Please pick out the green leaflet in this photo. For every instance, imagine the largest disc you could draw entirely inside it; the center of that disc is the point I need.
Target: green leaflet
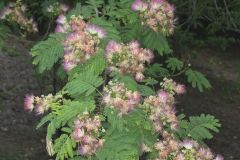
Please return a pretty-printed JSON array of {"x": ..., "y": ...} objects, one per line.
[
  {"x": 198, "y": 127},
  {"x": 145, "y": 90},
  {"x": 157, "y": 70},
  {"x": 125, "y": 144},
  {"x": 128, "y": 81},
  {"x": 63, "y": 147},
  {"x": 46, "y": 53},
  {"x": 155, "y": 41},
  {"x": 96, "y": 64},
  {"x": 174, "y": 64},
  {"x": 198, "y": 80},
  {"x": 85, "y": 83}
]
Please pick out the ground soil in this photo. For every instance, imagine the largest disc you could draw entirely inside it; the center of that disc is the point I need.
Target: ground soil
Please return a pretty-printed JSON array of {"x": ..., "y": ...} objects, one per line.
[{"x": 20, "y": 141}]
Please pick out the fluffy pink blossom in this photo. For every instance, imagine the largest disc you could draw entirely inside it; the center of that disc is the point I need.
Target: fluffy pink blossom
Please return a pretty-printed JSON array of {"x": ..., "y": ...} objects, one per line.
[
  {"x": 6, "y": 11},
  {"x": 86, "y": 133},
  {"x": 61, "y": 19},
  {"x": 188, "y": 144},
  {"x": 81, "y": 43},
  {"x": 219, "y": 157},
  {"x": 128, "y": 58},
  {"x": 180, "y": 89},
  {"x": 112, "y": 47},
  {"x": 96, "y": 30},
  {"x": 139, "y": 5},
  {"x": 163, "y": 96},
  {"x": 139, "y": 77},
  {"x": 116, "y": 95},
  {"x": 59, "y": 29},
  {"x": 156, "y": 14},
  {"x": 29, "y": 102}
]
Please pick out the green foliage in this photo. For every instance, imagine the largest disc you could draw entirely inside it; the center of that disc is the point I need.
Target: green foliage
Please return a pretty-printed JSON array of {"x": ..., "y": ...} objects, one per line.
[
  {"x": 197, "y": 79},
  {"x": 84, "y": 83},
  {"x": 63, "y": 147},
  {"x": 199, "y": 128},
  {"x": 174, "y": 64},
  {"x": 65, "y": 114},
  {"x": 146, "y": 90},
  {"x": 95, "y": 65},
  {"x": 46, "y": 53},
  {"x": 124, "y": 134},
  {"x": 125, "y": 144},
  {"x": 61, "y": 116},
  {"x": 157, "y": 70},
  {"x": 155, "y": 41}
]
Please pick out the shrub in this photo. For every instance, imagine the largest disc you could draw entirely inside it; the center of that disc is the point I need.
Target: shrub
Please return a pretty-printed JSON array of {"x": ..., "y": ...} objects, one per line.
[{"x": 109, "y": 108}]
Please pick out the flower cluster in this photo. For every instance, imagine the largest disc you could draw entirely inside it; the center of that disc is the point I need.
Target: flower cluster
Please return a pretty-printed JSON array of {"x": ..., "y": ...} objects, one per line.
[
  {"x": 81, "y": 43},
  {"x": 39, "y": 104},
  {"x": 56, "y": 8},
  {"x": 62, "y": 25},
  {"x": 172, "y": 87},
  {"x": 157, "y": 14},
  {"x": 185, "y": 150},
  {"x": 160, "y": 107},
  {"x": 86, "y": 133},
  {"x": 129, "y": 58},
  {"x": 15, "y": 13},
  {"x": 116, "y": 95}
]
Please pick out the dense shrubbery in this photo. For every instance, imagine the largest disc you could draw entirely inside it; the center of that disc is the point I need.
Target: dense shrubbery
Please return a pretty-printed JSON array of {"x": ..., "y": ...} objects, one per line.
[{"x": 118, "y": 101}]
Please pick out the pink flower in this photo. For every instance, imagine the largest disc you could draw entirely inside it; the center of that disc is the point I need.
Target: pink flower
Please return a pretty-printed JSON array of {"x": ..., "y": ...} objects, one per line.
[
  {"x": 112, "y": 47},
  {"x": 136, "y": 96},
  {"x": 39, "y": 109},
  {"x": 180, "y": 156},
  {"x": 156, "y": 3},
  {"x": 106, "y": 99},
  {"x": 59, "y": 29},
  {"x": 134, "y": 45},
  {"x": 29, "y": 102},
  {"x": 188, "y": 144},
  {"x": 139, "y": 5},
  {"x": 139, "y": 77},
  {"x": 78, "y": 134},
  {"x": 96, "y": 30},
  {"x": 84, "y": 150},
  {"x": 170, "y": 8},
  {"x": 61, "y": 19},
  {"x": 180, "y": 89},
  {"x": 149, "y": 56},
  {"x": 6, "y": 11},
  {"x": 219, "y": 157},
  {"x": 163, "y": 96},
  {"x": 67, "y": 66}
]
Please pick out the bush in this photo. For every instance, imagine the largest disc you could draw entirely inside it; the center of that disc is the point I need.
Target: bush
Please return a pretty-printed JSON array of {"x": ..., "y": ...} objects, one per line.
[{"x": 109, "y": 108}]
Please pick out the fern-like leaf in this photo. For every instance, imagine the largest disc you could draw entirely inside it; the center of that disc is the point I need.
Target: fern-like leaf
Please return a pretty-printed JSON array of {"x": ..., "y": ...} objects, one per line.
[
  {"x": 199, "y": 127},
  {"x": 174, "y": 64},
  {"x": 156, "y": 71},
  {"x": 96, "y": 64},
  {"x": 84, "y": 83},
  {"x": 63, "y": 147},
  {"x": 198, "y": 80},
  {"x": 155, "y": 41},
  {"x": 46, "y": 53}
]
